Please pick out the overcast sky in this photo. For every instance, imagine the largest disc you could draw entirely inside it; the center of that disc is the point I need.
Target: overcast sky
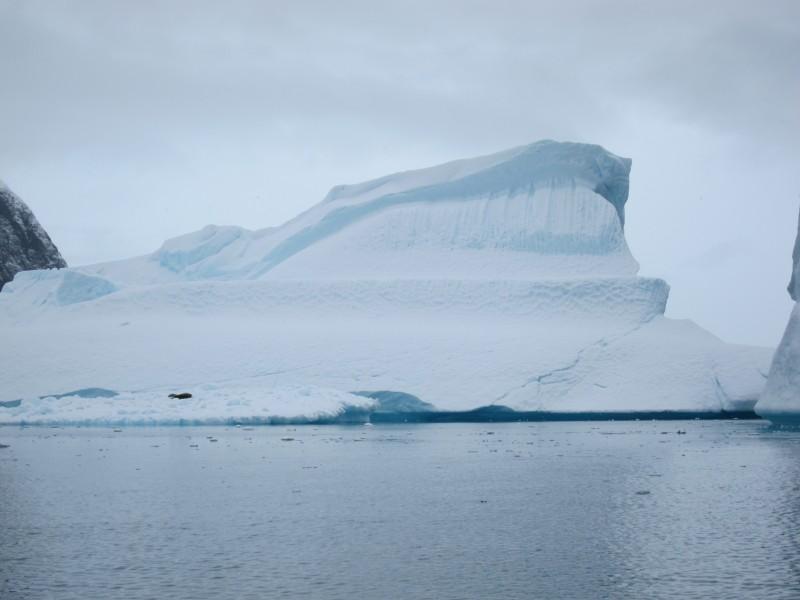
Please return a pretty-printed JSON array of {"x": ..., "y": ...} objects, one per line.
[{"x": 125, "y": 123}]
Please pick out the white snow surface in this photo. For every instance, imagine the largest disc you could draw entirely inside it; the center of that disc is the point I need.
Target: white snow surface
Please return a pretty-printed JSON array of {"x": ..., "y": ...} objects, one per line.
[{"x": 504, "y": 280}]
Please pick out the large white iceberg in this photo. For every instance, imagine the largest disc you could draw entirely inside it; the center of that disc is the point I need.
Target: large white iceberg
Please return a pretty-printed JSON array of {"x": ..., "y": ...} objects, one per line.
[
  {"x": 502, "y": 280},
  {"x": 780, "y": 401}
]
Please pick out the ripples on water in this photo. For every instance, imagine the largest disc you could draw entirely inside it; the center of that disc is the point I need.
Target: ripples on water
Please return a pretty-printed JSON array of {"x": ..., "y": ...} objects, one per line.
[{"x": 515, "y": 510}]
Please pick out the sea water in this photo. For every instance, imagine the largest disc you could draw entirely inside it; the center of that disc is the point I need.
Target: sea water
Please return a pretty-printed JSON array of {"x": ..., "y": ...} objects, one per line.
[{"x": 637, "y": 509}]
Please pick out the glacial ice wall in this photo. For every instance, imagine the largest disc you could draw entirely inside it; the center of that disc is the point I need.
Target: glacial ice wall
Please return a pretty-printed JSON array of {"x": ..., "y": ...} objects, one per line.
[
  {"x": 780, "y": 400},
  {"x": 794, "y": 282}
]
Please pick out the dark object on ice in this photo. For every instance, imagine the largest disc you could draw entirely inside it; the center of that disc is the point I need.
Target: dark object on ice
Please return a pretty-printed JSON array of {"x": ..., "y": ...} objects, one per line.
[
  {"x": 4, "y": 446},
  {"x": 181, "y": 396},
  {"x": 643, "y": 493},
  {"x": 24, "y": 244},
  {"x": 681, "y": 432}
]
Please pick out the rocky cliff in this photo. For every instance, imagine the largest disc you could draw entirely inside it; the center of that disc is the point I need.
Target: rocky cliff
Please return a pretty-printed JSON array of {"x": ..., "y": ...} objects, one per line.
[{"x": 24, "y": 244}]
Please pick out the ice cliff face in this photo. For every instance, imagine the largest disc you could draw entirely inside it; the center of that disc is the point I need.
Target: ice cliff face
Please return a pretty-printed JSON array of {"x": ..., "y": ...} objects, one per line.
[
  {"x": 780, "y": 401},
  {"x": 499, "y": 280},
  {"x": 794, "y": 282},
  {"x": 24, "y": 244},
  {"x": 468, "y": 219}
]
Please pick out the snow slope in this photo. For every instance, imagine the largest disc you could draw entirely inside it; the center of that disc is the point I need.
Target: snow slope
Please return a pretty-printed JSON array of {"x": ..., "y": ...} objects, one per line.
[
  {"x": 780, "y": 402},
  {"x": 502, "y": 280}
]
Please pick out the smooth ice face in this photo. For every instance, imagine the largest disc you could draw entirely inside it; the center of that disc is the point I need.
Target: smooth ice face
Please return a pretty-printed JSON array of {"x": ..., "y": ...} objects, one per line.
[
  {"x": 780, "y": 401},
  {"x": 557, "y": 231},
  {"x": 794, "y": 283},
  {"x": 781, "y": 397}
]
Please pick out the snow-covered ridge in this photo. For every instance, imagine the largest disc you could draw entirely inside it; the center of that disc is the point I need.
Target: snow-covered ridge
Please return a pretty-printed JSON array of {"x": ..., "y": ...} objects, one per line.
[{"x": 503, "y": 280}]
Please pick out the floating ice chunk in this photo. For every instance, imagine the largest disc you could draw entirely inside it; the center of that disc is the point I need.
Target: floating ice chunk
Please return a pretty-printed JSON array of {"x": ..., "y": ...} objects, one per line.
[{"x": 248, "y": 401}]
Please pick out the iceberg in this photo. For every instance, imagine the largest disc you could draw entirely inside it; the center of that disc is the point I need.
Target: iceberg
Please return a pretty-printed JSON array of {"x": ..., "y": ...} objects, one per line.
[
  {"x": 500, "y": 281},
  {"x": 780, "y": 401}
]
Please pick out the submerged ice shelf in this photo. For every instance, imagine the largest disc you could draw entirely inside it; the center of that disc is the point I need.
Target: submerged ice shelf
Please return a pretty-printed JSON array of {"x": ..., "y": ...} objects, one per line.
[{"x": 501, "y": 281}]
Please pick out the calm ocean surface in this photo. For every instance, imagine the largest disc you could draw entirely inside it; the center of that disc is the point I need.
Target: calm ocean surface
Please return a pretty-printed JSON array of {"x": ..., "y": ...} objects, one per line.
[{"x": 513, "y": 510}]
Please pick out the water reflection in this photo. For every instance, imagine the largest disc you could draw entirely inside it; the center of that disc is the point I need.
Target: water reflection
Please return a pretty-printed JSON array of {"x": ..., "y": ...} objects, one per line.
[{"x": 515, "y": 510}]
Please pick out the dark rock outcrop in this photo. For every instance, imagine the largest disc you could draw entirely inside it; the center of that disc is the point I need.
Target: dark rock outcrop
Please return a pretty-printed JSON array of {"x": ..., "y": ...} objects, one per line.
[{"x": 24, "y": 244}]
